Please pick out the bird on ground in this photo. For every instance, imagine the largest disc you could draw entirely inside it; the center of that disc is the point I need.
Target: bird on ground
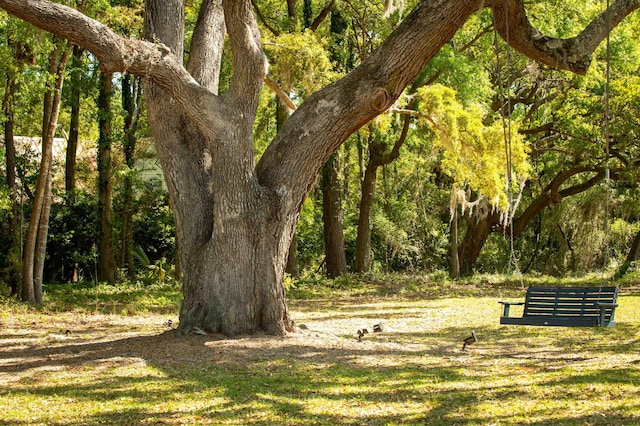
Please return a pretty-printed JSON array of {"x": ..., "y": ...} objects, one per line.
[
  {"x": 378, "y": 328},
  {"x": 469, "y": 340},
  {"x": 362, "y": 333}
]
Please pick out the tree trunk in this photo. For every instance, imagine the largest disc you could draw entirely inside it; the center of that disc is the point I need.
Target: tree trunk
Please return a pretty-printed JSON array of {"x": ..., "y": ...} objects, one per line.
[
  {"x": 378, "y": 157},
  {"x": 293, "y": 265},
  {"x": 335, "y": 255},
  {"x": 477, "y": 233},
  {"x": 130, "y": 99},
  {"x": 74, "y": 125},
  {"x": 230, "y": 230},
  {"x": 634, "y": 250},
  {"x": 228, "y": 293},
  {"x": 455, "y": 259},
  {"x": 10, "y": 151},
  {"x": 41, "y": 243},
  {"x": 35, "y": 241},
  {"x": 474, "y": 239},
  {"x": 10, "y": 156},
  {"x": 106, "y": 255},
  {"x": 363, "y": 240}
]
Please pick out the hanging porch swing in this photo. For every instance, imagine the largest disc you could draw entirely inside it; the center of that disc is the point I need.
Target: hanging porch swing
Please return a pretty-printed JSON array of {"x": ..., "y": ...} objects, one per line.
[{"x": 592, "y": 306}]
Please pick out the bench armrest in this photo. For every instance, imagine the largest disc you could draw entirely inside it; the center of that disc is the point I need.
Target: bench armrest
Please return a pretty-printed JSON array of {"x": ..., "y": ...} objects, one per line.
[
  {"x": 603, "y": 313},
  {"x": 507, "y": 305}
]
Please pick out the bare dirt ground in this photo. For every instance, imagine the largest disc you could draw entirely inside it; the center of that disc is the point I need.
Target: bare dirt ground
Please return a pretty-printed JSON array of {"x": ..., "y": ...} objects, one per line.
[{"x": 328, "y": 333}]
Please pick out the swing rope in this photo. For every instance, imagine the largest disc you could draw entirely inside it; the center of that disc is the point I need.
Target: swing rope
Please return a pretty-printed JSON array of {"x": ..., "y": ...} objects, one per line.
[
  {"x": 607, "y": 136},
  {"x": 506, "y": 129}
]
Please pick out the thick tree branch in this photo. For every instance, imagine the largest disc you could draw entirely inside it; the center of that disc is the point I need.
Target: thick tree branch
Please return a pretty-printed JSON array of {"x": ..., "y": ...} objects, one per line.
[
  {"x": 545, "y": 128},
  {"x": 324, "y": 121},
  {"x": 249, "y": 61},
  {"x": 552, "y": 195},
  {"x": 153, "y": 61},
  {"x": 572, "y": 54},
  {"x": 205, "y": 52}
]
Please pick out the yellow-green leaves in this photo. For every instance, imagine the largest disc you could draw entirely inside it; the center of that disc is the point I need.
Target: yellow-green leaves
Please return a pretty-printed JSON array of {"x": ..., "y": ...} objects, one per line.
[
  {"x": 299, "y": 62},
  {"x": 475, "y": 154}
]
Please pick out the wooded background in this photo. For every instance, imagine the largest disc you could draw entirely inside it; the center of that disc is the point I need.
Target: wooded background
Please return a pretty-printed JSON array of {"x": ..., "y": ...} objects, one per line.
[{"x": 489, "y": 162}]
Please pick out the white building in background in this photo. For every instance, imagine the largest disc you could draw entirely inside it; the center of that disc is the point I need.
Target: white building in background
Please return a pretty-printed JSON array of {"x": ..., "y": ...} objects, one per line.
[{"x": 147, "y": 165}]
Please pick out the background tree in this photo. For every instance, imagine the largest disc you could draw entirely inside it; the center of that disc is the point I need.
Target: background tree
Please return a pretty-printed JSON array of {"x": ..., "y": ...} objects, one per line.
[
  {"x": 74, "y": 126},
  {"x": 131, "y": 103},
  {"x": 36, "y": 238},
  {"x": 106, "y": 254}
]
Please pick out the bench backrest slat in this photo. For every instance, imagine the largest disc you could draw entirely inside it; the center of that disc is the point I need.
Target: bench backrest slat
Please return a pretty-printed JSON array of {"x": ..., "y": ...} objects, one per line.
[{"x": 568, "y": 301}]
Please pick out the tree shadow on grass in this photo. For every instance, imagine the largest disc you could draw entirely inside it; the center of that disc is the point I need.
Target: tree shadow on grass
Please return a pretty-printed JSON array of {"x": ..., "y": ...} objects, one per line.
[{"x": 419, "y": 377}]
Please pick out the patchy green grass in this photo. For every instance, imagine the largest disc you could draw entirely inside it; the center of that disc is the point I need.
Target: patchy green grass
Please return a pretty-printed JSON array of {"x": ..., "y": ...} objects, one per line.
[
  {"x": 113, "y": 360},
  {"x": 123, "y": 299}
]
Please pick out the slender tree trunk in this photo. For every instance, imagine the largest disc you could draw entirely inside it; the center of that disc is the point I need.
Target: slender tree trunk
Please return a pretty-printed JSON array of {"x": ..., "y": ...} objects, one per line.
[
  {"x": 10, "y": 151},
  {"x": 130, "y": 99},
  {"x": 72, "y": 143},
  {"x": 336, "y": 259},
  {"x": 378, "y": 157},
  {"x": 455, "y": 260},
  {"x": 10, "y": 156},
  {"x": 41, "y": 243},
  {"x": 106, "y": 255},
  {"x": 74, "y": 131},
  {"x": 634, "y": 250},
  {"x": 363, "y": 240},
  {"x": 35, "y": 241},
  {"x": 293, "y": 264}
]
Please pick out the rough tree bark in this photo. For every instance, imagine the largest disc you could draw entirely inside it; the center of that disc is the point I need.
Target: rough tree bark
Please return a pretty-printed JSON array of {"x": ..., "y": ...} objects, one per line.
[{"x": 234, "y": 218}]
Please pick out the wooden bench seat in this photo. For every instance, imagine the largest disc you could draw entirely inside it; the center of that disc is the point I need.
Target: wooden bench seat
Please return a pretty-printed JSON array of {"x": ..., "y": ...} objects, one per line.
[{"x": 565, "y": 306}]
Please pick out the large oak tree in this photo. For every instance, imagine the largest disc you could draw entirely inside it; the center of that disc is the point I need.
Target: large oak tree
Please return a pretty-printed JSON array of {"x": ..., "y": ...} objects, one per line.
[{"x": 235, "y": 218}]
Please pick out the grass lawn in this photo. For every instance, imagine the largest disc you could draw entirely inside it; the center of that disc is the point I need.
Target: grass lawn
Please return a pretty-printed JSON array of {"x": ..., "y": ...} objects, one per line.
[{"x": 105, "y": 355}]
